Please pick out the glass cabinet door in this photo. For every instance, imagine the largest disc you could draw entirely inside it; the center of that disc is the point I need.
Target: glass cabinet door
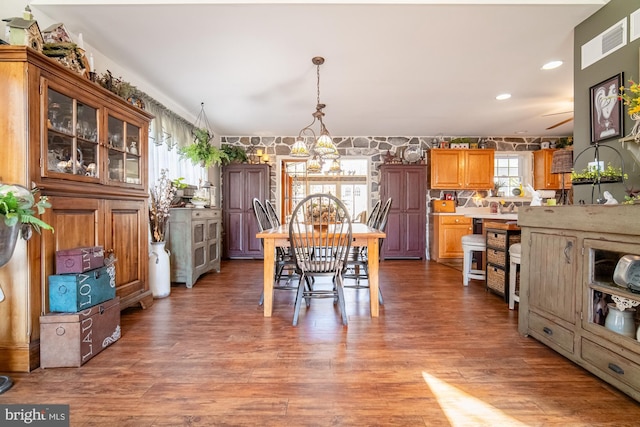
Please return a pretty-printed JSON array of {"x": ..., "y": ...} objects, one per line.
[
  {"x": 124, "y": 151},
  {"x": 71, "y": 136}
]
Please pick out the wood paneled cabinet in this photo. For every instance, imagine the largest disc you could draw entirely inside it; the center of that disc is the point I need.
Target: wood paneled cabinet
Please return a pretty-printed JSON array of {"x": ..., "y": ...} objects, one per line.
[
  {"x": 464, "y": 169},
  {"x": 569, "y": 255},
  {"x": 543, "y": 179},
  {"x": 241, "y": 183},
  {"x": 81, "y": 145},
  {"x": 406, "y": 225},
  {"x": 194, "y": 242},
  {"x": 447, "y": 236}
]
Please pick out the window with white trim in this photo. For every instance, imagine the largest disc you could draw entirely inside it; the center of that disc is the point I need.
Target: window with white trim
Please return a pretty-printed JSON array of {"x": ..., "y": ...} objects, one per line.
[{"x": 511, "y": 169}]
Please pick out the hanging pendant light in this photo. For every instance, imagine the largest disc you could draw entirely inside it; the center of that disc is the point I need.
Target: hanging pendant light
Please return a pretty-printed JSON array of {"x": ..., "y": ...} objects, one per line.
[
  {"x": 335, "y": 166},
  {"x": 323, "y": 145},
  {"x": 314, "y": 165}
]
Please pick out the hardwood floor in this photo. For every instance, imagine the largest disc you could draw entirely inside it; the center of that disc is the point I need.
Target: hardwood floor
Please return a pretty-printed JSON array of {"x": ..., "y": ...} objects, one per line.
[{"x": 438, "y": 355}]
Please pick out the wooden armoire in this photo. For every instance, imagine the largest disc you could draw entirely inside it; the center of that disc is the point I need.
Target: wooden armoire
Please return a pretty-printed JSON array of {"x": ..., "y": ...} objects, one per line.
[
  {"x": 406, "y": 227},
  {"x": 241, "y": 183},
  {"x": 86, "y": 149}
]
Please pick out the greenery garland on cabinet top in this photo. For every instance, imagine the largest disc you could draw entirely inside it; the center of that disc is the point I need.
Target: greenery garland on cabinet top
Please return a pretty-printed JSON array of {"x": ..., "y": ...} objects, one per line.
[{"x": 235, "y": 154}]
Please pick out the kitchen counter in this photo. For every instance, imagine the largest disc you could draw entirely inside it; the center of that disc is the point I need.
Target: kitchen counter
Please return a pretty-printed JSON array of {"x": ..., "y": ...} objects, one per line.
[{"x": 481, "y": 213}]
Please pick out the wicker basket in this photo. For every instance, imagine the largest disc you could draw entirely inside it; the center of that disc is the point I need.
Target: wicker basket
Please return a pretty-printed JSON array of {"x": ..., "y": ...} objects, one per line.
[
  {"x": 496, "y": 240},
  {"x": 496, "y": 257},
  {"x": 496, "y": 279}
]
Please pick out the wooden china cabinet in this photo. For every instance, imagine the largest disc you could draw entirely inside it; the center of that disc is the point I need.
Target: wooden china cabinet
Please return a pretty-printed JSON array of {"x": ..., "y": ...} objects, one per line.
[{"x": 85, "y": 148}]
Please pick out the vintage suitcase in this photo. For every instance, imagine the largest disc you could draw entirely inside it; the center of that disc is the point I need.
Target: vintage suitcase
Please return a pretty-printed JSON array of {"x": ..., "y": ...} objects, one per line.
[
  {"x": 79, "y": 260},
  {"x": 71, "y": 339},
  {"x": 70, "y": 293}
]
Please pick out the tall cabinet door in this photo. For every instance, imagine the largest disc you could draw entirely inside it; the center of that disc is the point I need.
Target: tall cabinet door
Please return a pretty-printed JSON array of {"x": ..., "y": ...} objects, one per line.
[
  {"x": 127, "y": 235},
  {"x": 406, "y": 226},
  {"x": 241, "y": 184}
]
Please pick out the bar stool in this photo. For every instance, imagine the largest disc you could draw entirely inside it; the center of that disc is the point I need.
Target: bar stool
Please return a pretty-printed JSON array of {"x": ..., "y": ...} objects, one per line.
[
  {"x": 514, "y": 261},
  {"x": 472, "y": 243}
]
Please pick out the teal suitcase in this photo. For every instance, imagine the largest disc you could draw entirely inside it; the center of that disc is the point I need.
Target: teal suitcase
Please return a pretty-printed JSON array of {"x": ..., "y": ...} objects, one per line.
[{"x": 70, "y": 293}]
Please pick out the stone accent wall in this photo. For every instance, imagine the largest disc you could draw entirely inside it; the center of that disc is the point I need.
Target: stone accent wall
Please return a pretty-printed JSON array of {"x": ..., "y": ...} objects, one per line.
[{"x": 376, "y": 147}]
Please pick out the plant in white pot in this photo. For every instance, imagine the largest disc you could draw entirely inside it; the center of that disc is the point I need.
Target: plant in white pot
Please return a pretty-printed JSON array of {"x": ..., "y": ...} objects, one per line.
[{"x": 18, "y": 208}]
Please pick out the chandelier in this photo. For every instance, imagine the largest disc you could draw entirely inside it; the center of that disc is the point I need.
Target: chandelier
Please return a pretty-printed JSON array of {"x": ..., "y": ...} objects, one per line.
[{"x": 323, "y": 145}]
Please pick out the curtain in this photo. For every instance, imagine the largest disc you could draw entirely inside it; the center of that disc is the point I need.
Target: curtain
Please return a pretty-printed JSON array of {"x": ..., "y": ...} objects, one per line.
[{"x": 168, "y": 132}]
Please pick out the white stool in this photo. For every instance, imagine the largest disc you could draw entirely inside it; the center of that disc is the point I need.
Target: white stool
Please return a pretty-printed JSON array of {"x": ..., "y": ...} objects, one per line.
[
  {"x": 514, "y": 261},
  {"x": 472, "y": 243}
]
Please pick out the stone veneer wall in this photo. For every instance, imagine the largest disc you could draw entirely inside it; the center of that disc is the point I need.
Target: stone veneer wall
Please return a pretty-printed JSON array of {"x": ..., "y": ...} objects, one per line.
[{"x": 376, "y": 147}]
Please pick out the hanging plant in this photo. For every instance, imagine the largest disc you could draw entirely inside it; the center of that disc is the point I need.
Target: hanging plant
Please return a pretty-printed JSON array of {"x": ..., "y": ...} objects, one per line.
[{"x": 201, "y": 152}]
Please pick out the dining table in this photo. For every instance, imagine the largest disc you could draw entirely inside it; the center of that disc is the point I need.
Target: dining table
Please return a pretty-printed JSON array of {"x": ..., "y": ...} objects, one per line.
[{"x": 362, "y": 235}]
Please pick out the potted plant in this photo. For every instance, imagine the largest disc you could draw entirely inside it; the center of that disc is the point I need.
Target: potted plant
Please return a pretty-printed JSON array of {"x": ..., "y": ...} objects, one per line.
[
  {"x": 235, "y": 154},
  {"x": 201, "y": 152},
  {"x": 17, "y": 209},
  {"x": 593, "y": 175}
]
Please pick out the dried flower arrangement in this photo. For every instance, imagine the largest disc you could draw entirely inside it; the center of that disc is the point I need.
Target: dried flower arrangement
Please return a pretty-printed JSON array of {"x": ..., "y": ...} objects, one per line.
[{"x": 161, "y": 196}]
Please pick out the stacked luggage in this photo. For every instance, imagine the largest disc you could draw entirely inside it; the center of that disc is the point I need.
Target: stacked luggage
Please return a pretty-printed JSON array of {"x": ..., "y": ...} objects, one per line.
[{"x": 84, "y": 315}]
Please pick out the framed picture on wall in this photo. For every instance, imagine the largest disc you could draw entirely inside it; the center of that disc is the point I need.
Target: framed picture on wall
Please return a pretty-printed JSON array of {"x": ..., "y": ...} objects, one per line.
[{"x": 606, "y": 109}]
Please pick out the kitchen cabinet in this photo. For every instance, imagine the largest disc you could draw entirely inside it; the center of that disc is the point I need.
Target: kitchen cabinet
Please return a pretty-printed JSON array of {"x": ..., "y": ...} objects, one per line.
[
  {"x": 406, "y": 225},
  {"x": 543, "y": 179},
  {"x": 499, "y": 238},
  {"x": 241, "y": 183},
  {"x": 194, "y": 243},
  {"x": 569, "y": 254},
  {"x": 80, "y": 144},
  {"x": 460, "y": 169},
  {"x": 447, "y": 236}
]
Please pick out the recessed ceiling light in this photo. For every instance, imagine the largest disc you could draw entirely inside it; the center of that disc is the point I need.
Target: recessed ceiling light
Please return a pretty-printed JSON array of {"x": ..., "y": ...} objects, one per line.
[
  {"x": 551, "y": 65},
  {"x": 503, "y": 96},
  {"x": 520, "y": 132}
]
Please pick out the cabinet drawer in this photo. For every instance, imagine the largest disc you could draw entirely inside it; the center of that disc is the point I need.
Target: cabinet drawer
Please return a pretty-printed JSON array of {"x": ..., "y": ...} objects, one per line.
[
  {"x": 546, "y": 330},
  {"x": 497, "y": 257},
  {"x": 454, "y": 219},
  {"x": 611, "y": 363},
  {"x": 496, "y": 279},
  {"x": 204, "y": 214}
]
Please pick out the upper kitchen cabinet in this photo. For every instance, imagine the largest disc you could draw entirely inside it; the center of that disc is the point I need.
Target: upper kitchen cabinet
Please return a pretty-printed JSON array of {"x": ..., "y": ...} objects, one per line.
[
  {"x": 460, "y": 169},
  {"x": 84, "y": 148},
  {"x": 543, "y": 179}
]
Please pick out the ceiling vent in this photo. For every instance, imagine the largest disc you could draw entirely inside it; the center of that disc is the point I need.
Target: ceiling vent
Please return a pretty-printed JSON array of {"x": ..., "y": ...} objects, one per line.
[
  {"x": 605, "y": 43},
  {"x": 634, "y": 25}
]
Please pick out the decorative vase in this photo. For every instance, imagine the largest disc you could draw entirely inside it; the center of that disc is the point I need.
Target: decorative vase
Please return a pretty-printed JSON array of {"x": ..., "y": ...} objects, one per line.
[
  {"x": 8, "y": 239},
  {"x": 159, "y": 270},
  {"x": 635, "y": 131},
  {"x": 621, "y": 321}
]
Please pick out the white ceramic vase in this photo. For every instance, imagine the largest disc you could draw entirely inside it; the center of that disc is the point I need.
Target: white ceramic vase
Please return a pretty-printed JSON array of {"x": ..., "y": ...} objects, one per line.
[
  {"x": 159, "y": 270},
  {"x": 621, "y": 322}
]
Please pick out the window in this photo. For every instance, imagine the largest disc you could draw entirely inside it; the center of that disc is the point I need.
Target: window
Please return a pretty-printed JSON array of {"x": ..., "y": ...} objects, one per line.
[
  {"x": 350, "y": 186},
  {"x": 512, "y": 169}
]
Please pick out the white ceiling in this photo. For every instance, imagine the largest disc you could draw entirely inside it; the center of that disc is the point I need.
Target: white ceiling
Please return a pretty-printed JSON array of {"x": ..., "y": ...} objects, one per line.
[{"x": 415, "y": 68}]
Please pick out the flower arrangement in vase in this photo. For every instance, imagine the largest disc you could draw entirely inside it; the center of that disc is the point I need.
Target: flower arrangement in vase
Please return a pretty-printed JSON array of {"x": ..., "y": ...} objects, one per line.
[
  {"x": 631, "y": 98},
  {"x": 161, "y": 196}
]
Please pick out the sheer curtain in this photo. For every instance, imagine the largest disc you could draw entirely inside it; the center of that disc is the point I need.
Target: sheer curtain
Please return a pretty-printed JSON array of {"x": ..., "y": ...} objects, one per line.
[{"x": 168, "y": 132}]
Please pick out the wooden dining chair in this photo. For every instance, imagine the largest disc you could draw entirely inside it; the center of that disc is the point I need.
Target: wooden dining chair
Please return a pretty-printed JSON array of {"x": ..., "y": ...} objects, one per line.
[
  {"x": 358, "y": 261},
  {"x": 271, "y": 211},
  {"x": 320, "y": 234},
  {"x": 283, "y": 260}
]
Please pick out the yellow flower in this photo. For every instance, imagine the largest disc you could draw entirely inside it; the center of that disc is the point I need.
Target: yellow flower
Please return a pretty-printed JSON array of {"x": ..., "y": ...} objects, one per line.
[{"x": 631, "y": 97}]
